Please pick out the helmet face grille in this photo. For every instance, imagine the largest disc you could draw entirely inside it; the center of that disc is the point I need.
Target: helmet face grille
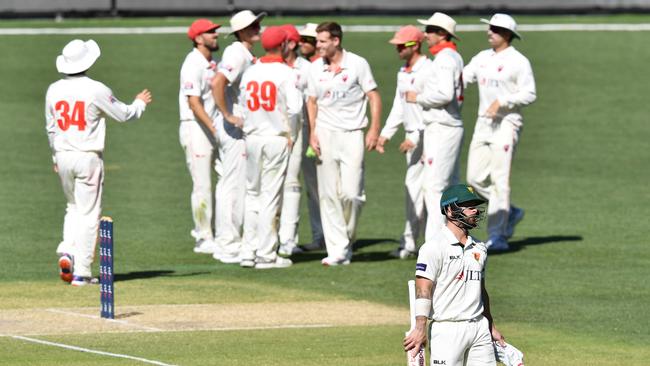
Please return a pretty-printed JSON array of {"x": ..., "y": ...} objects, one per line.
[{"x": 464, "y": 221}]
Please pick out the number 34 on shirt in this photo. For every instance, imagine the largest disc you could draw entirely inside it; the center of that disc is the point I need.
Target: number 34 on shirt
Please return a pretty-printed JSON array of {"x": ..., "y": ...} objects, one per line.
[{"x": 74, "y": 115}]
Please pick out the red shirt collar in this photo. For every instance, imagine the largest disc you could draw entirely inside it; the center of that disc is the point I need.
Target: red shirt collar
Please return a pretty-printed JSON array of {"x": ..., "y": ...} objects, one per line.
[
  {"x": 270, "y": 58},
  {"x": 441, "y": 46}
]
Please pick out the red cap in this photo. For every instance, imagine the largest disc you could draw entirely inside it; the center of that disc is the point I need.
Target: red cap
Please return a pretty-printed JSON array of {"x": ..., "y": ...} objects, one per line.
[
  {"x": 273, "y": 37},
  {"x": 201, "y": 26},
  {"x": 292, "y": 32},
  {"x": 407, "y": 34}
]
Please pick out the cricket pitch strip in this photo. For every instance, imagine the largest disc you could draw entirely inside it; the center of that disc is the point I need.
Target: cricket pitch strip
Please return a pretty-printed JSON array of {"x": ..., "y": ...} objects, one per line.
[{"x": 199, "y": 317}]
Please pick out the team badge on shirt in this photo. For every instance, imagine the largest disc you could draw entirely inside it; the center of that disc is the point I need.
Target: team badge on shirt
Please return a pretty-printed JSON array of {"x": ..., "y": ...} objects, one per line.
[
  {"x": 188, "y": 85},
  {"x": 345, "y": 78},
  {"x": 477, "y": 256},
  {"x": 499, "y": 68}
]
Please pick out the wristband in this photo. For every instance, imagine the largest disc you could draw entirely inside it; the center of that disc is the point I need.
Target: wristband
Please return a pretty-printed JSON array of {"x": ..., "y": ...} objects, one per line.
[{"x": 423, "y": 307}]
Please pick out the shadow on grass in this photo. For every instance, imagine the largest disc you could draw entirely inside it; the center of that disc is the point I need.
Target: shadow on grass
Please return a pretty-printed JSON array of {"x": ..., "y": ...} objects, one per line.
[
  {"x": 152, "y": 274},
  {"x": 517, "y": 245},
  {"x": 356, "y": 257}
]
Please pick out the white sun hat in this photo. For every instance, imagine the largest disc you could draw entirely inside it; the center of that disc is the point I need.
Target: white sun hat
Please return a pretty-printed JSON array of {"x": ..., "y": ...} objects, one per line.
[
  {"x": 77, "y": 56},
  {"x": 243, "y": 19},
  {"x": 443, "y": 21},
  {"x": 503, "y": 21},
  {"x": 309, "y": 30}
]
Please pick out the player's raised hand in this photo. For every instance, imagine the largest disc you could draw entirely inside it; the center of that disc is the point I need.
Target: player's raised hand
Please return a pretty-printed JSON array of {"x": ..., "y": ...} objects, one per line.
[
  {"x": 144, "y": 96},
  {"x": 380, "y": 144}
]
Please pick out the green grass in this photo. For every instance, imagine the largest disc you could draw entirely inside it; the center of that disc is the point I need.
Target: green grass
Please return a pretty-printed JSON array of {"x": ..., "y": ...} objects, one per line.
[{"x": 573, "y": 293}]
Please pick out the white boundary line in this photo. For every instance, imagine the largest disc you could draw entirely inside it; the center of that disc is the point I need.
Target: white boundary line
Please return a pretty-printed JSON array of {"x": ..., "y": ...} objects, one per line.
[
  {"x": 640, "y": 27},
  {"x": 87, "y": 350}
]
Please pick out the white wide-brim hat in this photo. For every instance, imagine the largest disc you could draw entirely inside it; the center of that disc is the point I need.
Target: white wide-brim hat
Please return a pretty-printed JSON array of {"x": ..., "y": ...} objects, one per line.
[
  {"x": 443, "y": 21},
  {"x": 243, "y": 19},
  {"x": 77, "y": 56},
  {"x": 309, "y": 30},
  {"x": 503, "y": 21}
]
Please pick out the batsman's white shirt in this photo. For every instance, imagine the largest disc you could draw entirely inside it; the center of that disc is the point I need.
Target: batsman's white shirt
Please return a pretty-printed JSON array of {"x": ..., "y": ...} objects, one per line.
[
  {"x": 409, "y": 114},
  {"x": 457, "y": 272},
  {"x": 506, "y": 76},
  {"x": 341, "y": 94},
  {"x": 74, "y": 111},
  {"x": 442, "y": 96},
  {"x": 196, "y": 76},
  {"x": 270, "y": 98}
]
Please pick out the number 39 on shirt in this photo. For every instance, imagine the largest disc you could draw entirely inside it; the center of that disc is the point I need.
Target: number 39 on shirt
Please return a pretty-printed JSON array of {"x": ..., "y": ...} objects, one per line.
[
  {"x": 71, "y": 117},
  {"x": 261, "y": 95}
]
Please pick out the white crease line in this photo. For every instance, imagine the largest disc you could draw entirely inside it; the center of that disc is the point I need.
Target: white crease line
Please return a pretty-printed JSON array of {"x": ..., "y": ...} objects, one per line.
[
  {"x": 87, "y": 350},
  {"x": 218, "y": 329},
  {"x": 123, "y": 322},
  {"x": 348, "y": 28}
]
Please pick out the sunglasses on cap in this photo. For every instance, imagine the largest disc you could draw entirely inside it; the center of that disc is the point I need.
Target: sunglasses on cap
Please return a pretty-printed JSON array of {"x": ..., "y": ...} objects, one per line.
[
  {"x": 307, "y": 39},
  {"x": 407, "y": 44},
  {"x": 499, "y": 30},
  {"x": 432, "y": 29}
]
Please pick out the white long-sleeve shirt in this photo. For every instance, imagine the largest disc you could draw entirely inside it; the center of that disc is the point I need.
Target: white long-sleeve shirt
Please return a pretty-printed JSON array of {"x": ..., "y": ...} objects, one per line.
[
  {"x": 74, "y": 113},
  {"x": 506, "y": 76},
  {"x": 408, "y": 114},
  {"x": 442, "y": 96},
  {"x": 270, "y": 99}
]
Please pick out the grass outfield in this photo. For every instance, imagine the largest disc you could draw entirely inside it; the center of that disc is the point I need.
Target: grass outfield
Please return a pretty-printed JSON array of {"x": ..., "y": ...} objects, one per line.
[{"x": 572, "y": 293}]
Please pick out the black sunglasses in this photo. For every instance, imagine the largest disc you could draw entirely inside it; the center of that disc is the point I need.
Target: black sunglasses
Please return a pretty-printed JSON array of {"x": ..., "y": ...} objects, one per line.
[
  {"x": 432, "y": 29},
  {"x": 499, "y": 30}
]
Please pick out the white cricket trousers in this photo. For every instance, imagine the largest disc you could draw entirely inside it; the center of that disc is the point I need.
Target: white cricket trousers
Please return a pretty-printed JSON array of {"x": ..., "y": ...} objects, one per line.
[
  {"x": 231, "y": 187},
  {"x": 82, "y": 178},
  {"x": 442, "y": 146},
  {"x": 464, "y": 343},
  {"x": 340, "y": 188},
  {"x": 199, "y": 157},
  {"x": 414, "y": 205},
  {"x": 488, "y": 168},
  {"x": 265, "y": 171},
  {"x": 290, "y": 213}
]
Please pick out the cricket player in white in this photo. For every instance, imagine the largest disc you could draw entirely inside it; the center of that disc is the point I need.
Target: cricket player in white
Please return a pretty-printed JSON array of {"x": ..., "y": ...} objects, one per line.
[
  {"x": 308, "y": 51},
  {"x": 408, "y": 41},
  {"x": 441, "y": 100},
  {"x": 450, "y": 288},
  {"x": 290, "y": 213},
  {"x": 75, "y": 107},
  {"x": 505, "y": 85},
  {"x": 271, "y": 102},
  {"x": 231, "y": 165},
  {"x": 198, "y": 114},
  {"x": 339, "y": 86}
]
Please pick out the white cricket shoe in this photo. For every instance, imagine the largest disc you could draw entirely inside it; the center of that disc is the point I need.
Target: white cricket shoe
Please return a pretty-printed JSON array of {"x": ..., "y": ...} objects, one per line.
[
  {"x": 514, "y": 217},
  {"x": 497, "y": 244},
  {"x": 289, "y": 248},
  {"x": 329, "y": 261},
  {"x": 205, "y": 246},
  {"x": 403, "y": 253},
  {"x": 279, "y": 262},
  {"x": 78, "y": 281}
]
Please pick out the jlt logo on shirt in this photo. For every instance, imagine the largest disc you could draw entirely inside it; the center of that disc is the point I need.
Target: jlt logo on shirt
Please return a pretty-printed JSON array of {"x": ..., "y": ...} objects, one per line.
[
  {"x": 469, "y": 275},
  {"x": 336, "y": 94}
]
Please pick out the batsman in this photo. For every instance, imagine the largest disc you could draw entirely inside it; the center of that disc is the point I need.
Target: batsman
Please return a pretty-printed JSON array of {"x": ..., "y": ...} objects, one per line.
[{"x": 450, "y": 288}]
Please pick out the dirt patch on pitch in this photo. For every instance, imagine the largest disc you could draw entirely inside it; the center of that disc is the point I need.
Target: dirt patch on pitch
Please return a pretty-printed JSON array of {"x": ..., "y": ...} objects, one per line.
[{"x": 215, "y": 317}]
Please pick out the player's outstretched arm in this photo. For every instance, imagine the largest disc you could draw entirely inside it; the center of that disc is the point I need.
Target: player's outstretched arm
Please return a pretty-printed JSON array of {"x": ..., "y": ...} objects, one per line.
[{"x": 145, "y": 96}]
